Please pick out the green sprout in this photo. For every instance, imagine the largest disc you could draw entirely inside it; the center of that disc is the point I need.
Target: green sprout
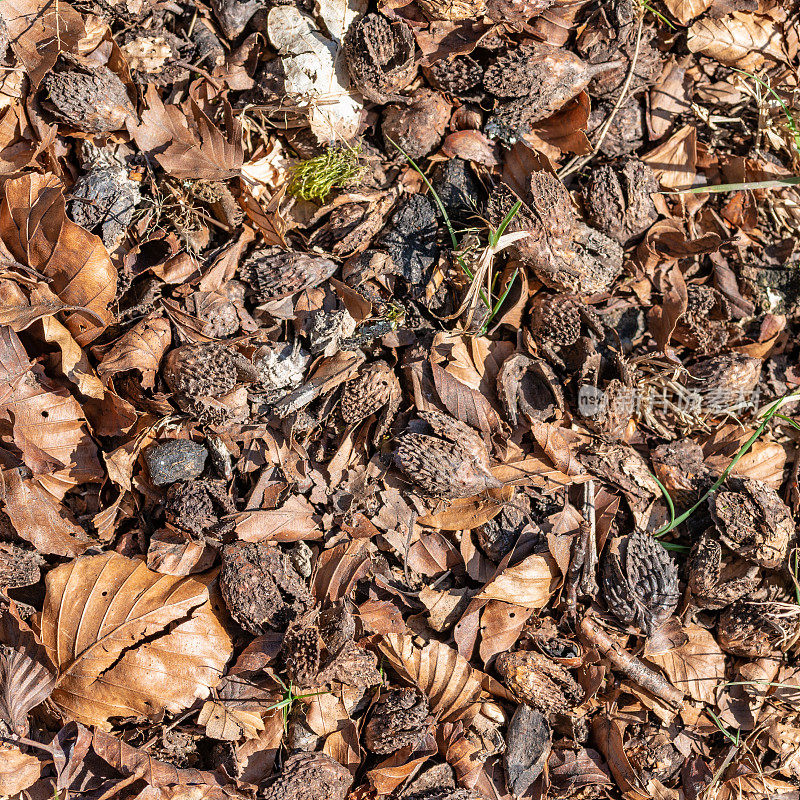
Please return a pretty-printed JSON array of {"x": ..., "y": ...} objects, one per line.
[
  {"x": 288, "y": 699},
  {"x": 647, "y": 7},
  {"x": 314, "y": 178},
  {"x": 770, "y": 412}
]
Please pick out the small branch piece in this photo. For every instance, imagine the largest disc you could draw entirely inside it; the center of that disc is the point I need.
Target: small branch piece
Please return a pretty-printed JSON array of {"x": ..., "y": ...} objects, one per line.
[{"x": 630, "y": 666}]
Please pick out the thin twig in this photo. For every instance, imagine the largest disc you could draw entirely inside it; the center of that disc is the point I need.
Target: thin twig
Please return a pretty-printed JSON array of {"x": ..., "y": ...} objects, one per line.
[{"x": 631, "y": 666}]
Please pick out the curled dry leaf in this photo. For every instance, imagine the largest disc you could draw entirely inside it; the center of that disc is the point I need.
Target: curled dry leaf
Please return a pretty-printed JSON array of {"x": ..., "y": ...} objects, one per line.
[
  {"x": 696, "y": 667},
  {"x": 675, "y": 161},
  {"x": 187, "y": 147},
  {"x": 40, "y": 31},
  {"x": 48, "y": 422},
  {"x": 128, "y": 760},
  {"x": 740, "y": 39},
  {"x": 686, "y": 10},
  {"x": 129, "y": 642},
  {"x": 140, "y": 348},
  {"x": 450, "y": 684},
  {"x": 26, "y": 675},
  {"x": 36, "y": 230},
  {"x": 528, "y": 584}
]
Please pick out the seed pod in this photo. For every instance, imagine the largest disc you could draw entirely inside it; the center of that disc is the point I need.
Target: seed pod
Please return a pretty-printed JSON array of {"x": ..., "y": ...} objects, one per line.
[
  {"x": 758, "y": 630},
  {"x": 753, "y": 521},
  {"x": 539, "y": 682},
  {"x": 274, "y": 274},
  {"x": 452, "y": 10},
  {"x": 562, "y": 251},
  {"x": 640, "y": 581},
  {"x": 418, "y": 127},
  {"x": 207, "y": 370},
  {"x": 373, "y": 388},
  {"x": 379, "y": 54},
  {"x": 401, "y": 717},
  {"x": 456, "y": 465},
  {"x": 461, "y": 76},
  {"x": 301, "y": 654},
  {"x": 618, "y": 199},
  {"x": 706, "y": 582},
  {"x": 725, "y": 381},
  {"x": 309, "y": 776},
  {"x": 92, "y": 100},
  {"x": 196, "y": 506},
  {"x": 541, "y": 78},
  {"x": 175, "y": 460},
  {"x": 261, "y": 588}
]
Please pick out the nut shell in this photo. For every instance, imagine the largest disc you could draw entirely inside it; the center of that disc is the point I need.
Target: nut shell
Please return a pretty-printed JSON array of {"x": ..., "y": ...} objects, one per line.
[
  {"x": 309, "y": 776},
  {"x": 758, "y": 630},
  {"x": 91, "y": 100},
  {"x": 375, "y": 387}
]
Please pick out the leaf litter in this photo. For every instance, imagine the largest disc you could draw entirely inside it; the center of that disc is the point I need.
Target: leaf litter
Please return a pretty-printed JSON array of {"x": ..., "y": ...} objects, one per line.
[{"x": 399, "y": 399}]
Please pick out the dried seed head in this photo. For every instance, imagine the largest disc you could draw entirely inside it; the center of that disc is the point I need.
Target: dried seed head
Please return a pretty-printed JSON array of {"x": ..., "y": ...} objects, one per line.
[
  {"x": 562, "y": 251},
  {"x": 618, "y": 199},
  {"x": 301, "y": 654},
  {"x": 273, "y": 274},
  {"x": 92, "y": 100},
  {"x": 401, "y": 717},
  {"x": 753, "y": 521},
  {"x": 714, "y": 585},
  {"x": 725, "y": 380},
  {"x": 261, "y": 588},
  {"x": 758, "y": 630},
  {"x": 541, "y": 78},
  {"x": 309, "y": 776},
  {"x": 203, "y": 370},
  {"x": 452, "y": 10},
  {"x": 640, "y": 581},
  {"x": 373, "y": 388},
  {"x": 454, "y": 466},
  {"x": 539, "y": 682},
  {"x": 379, "y": 54},
  {"x": 460, "y": 76},
  {"x": 556, "y": 320}
]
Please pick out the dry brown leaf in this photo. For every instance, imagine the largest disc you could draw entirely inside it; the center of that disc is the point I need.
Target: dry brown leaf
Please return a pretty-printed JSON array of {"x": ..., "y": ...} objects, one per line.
[
  {"x": 141, "y": 348},
  {"x": 190, "y": 148},
  {"x": 464, "y": 514},
  {"x": 501, "y": 626},
  {"x": 26, "y": 674},
  {"x": 39, "y": 31},
  {"x": 667, "y": 98},
  {"x": 292, "y": 521},
  {"x": 36, "y": 230},
  {"x": 45, "y": 418},
  {"x": 228, "y": 723},
  {"x": 551, "y": 439},
  {"x": 675, "y": 161},
  {"x": 686, "y": 10},
  {"x": 129, "y": 760},
  {"x": 343, "y": 746},
  {"x": 451, "y": 685},
  {"x": 398, "y": 767},
  {"x": 74, "y": 362},
  {"x": 18, "y": 770},
  {"x": 528, "y": 584},
  {"x": 742, "y": 40},
  {"x": 129, "y": 642},
  {"x": 696, "y": 667},
  {"x": 338, "y": 569},
  {"x": 38, "y": 519}
]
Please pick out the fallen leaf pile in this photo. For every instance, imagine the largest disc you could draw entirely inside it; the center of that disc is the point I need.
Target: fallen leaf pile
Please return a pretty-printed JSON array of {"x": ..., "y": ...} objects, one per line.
[{"x": 398, "y": 399}]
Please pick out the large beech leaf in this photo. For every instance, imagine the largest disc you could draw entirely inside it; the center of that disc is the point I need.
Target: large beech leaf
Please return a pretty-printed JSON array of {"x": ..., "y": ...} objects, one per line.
[
  {"x": 528, "y": 584},
  {"x": 36, "y": 230},
  {"x": 451, "y": 685},
  {"x": 129, "y": 642}
]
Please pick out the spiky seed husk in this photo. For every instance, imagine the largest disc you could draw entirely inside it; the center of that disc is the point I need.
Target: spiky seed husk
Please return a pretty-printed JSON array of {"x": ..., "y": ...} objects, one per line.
[{"x": 275, "y": 275}]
